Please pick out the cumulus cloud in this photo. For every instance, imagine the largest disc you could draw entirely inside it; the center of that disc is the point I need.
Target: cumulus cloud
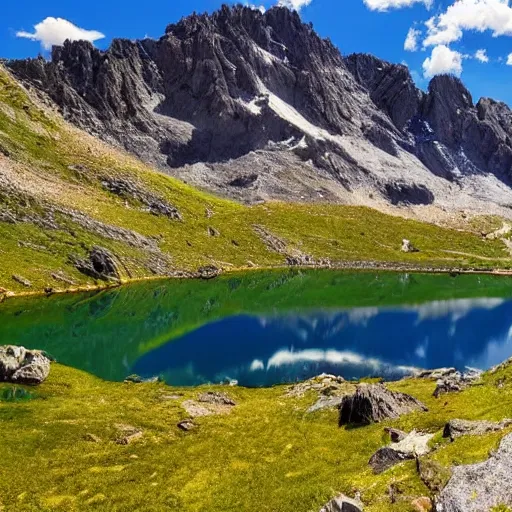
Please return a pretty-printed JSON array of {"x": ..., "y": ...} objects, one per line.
[
  {"x": 478, "y": 15},
  {"x": 411, "y": 41},
  {"x": 442, "y": 60},
  {"x": 481, "y": 55},
  {"x": 54, "y": 31},
  {"x": 509, "y": 59},
  {"x": 294, "y": 4},
  {"x": 385, "y": 5}
]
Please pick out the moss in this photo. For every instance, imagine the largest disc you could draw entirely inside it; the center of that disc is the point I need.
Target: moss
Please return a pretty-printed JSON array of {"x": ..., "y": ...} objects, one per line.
[
  {"x": 266, "y": 455},
  {"x": 56, "y": 165}
]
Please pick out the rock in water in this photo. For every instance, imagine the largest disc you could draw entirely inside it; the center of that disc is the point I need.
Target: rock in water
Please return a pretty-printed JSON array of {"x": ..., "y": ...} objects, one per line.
[
  {"x": 342, "y": 504},
  {"x": 480, "y": 487},
  {"x": 372, "y": 403},
  {"x": 21, "y": 366}
]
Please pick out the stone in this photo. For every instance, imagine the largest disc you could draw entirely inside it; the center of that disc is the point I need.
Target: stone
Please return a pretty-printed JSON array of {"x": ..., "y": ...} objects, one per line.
[
  {"x": 326, "y": 402},
  {"x": 212, "y": 231},
  {"x": 92, "y": 438},
  {"x": 456, "y": 381},
  {"x": 407, "y": 246},
  {"x": 21, "y": 366},
  {"x": 209, "y": 404},
  {"x": 423, "y": 504},
  {"x": 324, "y": 384},
  {"x": 387, "y": 457},
  {"x": 21, "y": 280},
  {"x": 208, "y": 272},
  {"x": 343, "y": 503},
  {"x": 372, "y": 403},
  {"x": 395, "y": 434},
  {"x": 187, "y": 425},
  {"x": 128, "y": 434},
  {"x": 482, "y": 486},
  {"x": 458, "y": 428},
  {"x": 410, "y": 446},
  {"x": 214, "y": 397},
  {"x": 100, "y": 264}
]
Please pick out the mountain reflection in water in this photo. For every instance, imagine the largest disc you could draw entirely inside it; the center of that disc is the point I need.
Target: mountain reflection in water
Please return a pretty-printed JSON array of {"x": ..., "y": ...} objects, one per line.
[{"x": 354, "y": 343}]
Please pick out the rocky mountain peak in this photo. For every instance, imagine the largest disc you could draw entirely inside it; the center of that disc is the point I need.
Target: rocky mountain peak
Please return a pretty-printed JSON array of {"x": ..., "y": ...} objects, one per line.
[{"x": 256, "y": 105}]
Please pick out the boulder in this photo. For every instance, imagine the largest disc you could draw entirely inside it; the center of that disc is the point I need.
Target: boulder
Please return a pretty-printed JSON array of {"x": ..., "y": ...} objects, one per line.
[
  {"x": 395, "y": 434},
  {"x": 410, "y": 446},
  {"x": 372, "y": 403},
  {"x": 387, "y": 457},
  {"x": 407, "y": 246},
  {"x": 21, "y": 366},
  {"x": 480, "y": 487},
  {"x": 342, "y": 503},
  {"x": 456, "y": 381},
  {"x": 458, "y": 428}
]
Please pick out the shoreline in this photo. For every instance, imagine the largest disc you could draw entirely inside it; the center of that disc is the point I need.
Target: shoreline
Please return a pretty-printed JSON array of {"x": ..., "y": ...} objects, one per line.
[{"x": 362, "y": 266}]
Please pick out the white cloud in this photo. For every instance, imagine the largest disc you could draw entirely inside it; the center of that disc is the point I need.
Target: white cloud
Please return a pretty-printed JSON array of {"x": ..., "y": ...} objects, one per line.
[
  {"x": 479, "y": 15},
  {"x": 411, "y": 41},
  {"x": 54, "y": 31},
  {"x": 294, "y": 4},
  {"x": 481, "y": 55},
  {"x": 509, "y": 59},
  {"x": 442, "y": 60},
  {"x": 385, "y": 5}
]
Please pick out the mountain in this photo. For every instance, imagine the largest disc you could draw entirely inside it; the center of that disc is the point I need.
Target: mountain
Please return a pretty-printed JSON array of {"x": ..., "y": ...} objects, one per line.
[
  {"x": 257, "y": 106},
  {"x": 251, "y": 107}
]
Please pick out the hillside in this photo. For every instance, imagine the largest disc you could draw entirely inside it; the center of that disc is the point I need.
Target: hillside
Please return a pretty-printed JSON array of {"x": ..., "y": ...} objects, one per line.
[{"x": 63, "y": 193}]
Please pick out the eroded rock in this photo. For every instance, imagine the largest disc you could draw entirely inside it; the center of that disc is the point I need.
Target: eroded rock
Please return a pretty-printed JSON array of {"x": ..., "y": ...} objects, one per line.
[
  {"x": 458, "y": 428},
  {"x": 21, "y": 366},
  {"x": 480, "y": 487},
  {"x": 372, "y": 403},
  {"x": 342, "y": 503},
  {"x": 100, "y": 264}
]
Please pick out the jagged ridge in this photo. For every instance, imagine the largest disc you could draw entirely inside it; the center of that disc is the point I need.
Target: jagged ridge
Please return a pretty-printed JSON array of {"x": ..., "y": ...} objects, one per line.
[{"x": 257, "y": 105}]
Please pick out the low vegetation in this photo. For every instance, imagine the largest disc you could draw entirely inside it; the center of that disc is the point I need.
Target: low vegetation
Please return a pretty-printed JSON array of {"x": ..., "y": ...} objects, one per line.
[
  {"x": 57, "y": 202},
  {"x": 59, "y": 449}
]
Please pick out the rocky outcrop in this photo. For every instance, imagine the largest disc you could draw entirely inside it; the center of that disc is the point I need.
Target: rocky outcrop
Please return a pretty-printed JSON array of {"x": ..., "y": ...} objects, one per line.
[
  {"x": 406, "y": 447},
  {"x": 342, "y": 503},
  {"x": 458, "y": 428},
  {"x": 21, "y": 366},
  {"x": 479, "y": 487},
  {"x": 256, "y": 105},
  {"x": 100, "y": 264},
  {"x": 372, "y": 403}
]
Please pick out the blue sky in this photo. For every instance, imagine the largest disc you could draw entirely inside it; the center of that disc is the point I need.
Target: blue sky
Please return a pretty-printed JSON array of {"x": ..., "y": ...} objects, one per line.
[{"x": 445, "y": 35}]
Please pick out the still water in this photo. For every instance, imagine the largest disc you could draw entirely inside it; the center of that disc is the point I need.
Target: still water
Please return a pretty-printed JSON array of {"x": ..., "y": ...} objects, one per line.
[{"x": 265, "y": 328}]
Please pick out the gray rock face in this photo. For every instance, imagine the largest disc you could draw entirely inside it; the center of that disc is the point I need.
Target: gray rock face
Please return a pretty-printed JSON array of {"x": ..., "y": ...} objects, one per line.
[
  {"x": 21, "y": 366},
  {"x": 458, "y": 428},
  {"x": 100, "y": 264},
  {"x": 343, "y": 503},
  {"x": 480, "y": 487},
  {"x": 258, "y": 106},
  {"x": 372, "y": 403}
]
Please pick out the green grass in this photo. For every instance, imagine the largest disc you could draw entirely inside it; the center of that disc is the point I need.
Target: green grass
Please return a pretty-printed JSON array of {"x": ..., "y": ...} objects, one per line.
[
  {"x": 267, "y": 455},
  {"x": 56, "y": 165}
]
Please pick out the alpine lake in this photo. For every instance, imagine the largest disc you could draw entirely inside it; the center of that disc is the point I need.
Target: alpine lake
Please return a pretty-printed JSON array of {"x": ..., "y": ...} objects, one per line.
[{"x": 263, "y": 328}]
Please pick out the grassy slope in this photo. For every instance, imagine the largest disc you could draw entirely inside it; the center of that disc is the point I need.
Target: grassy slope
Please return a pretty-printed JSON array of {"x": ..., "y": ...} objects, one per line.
[
  {"x": 267, "y": 455},
  {"x": 55, "y": 164}
]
